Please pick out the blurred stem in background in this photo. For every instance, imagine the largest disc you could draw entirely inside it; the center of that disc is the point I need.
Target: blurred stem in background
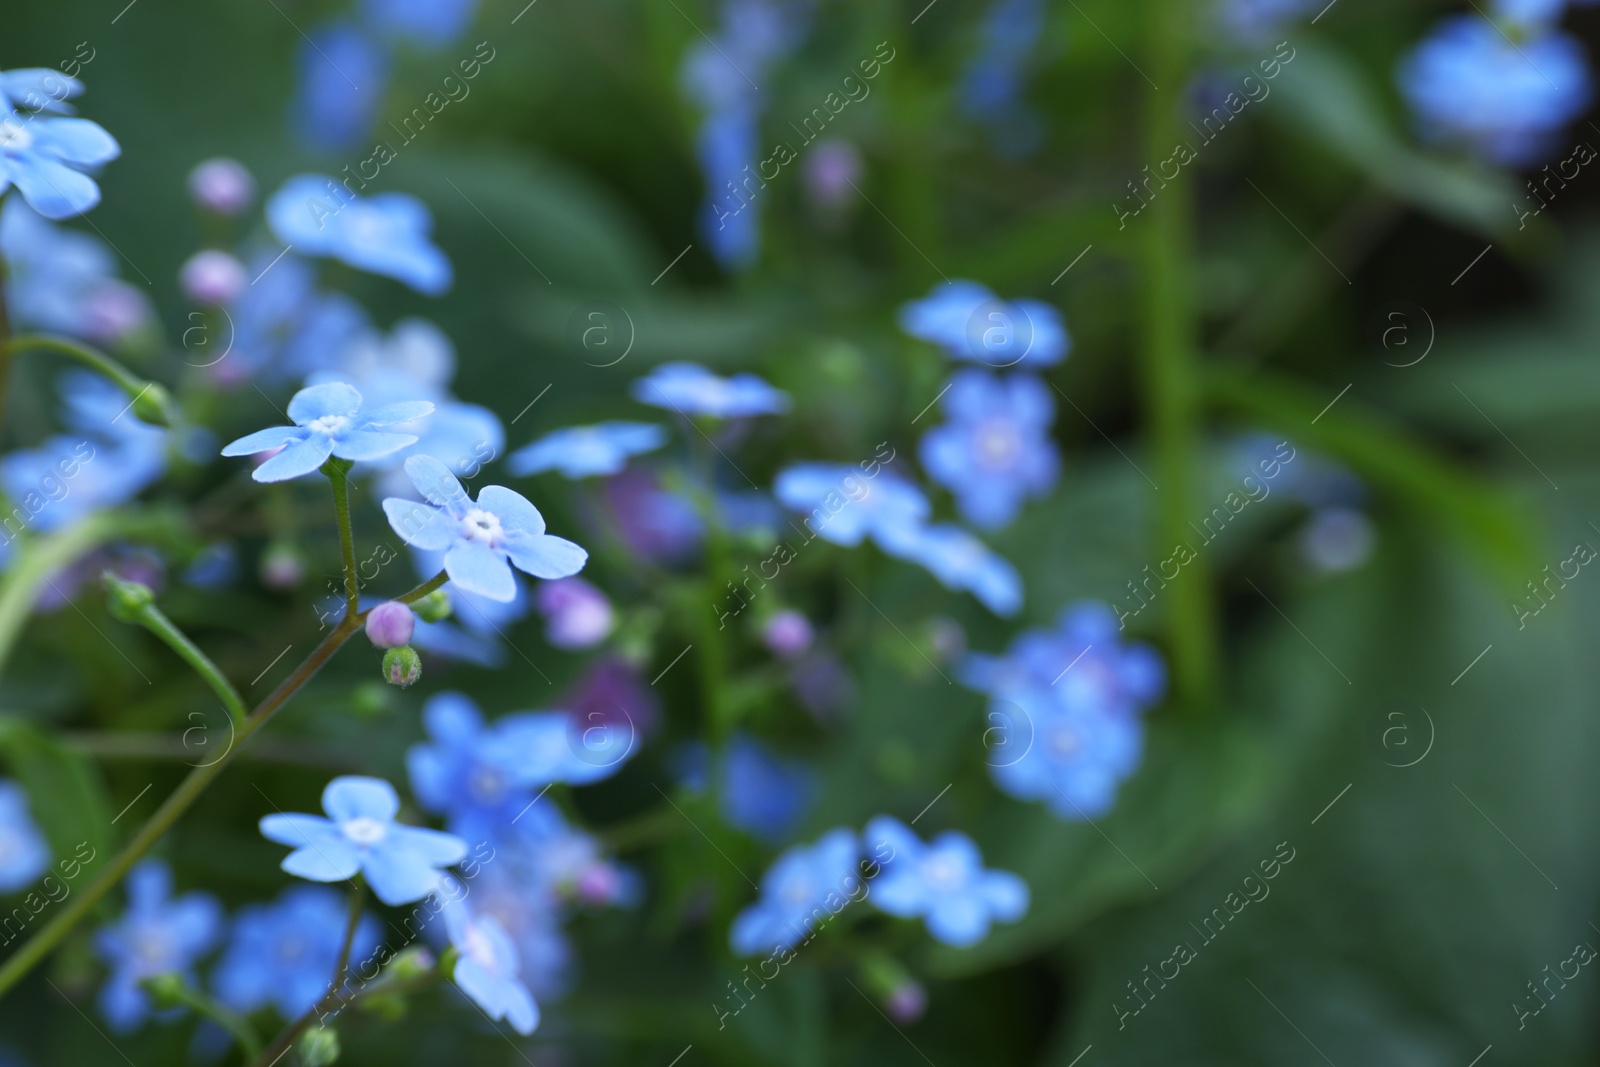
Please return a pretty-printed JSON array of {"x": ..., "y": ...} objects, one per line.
[{"x": 1168, "y": 349}]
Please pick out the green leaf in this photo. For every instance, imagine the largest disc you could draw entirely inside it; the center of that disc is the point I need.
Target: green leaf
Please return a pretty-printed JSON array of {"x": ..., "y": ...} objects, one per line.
[{"x": 66, "y": 793}]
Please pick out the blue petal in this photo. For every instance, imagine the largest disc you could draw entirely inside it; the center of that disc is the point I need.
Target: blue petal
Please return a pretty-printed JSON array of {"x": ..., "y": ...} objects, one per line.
[
  {"x": 77, "y": 141},
  {"x": 437, "y": 848},
  {"x": 53, "y": 189},
  {"x": 1006, "y": 894},
  {"x": 438, "y": 485},
  {"x": 370, "y": 444},
  {"x": 319, "y": 401},
  {"x": 513, "y": 509},
  {"x": 354, "y": 796},
  {"x": 299, "y": 212},
  {"x": 958, "y": 920},
  {"x": 298, "y": 830},
  {"x": 296, "y": 460},
  {"x": 545, "y": 556},
  {"x": 428, "y": 528},
  {"x": 521, "y": 1012},
  {"x": 397, "y": 874},
  {"x": 478, "y": 569},
  {"x": 263, "y": 440},
  {"x": 390, "y": 414},
  {"x": 333, "y": 863}
]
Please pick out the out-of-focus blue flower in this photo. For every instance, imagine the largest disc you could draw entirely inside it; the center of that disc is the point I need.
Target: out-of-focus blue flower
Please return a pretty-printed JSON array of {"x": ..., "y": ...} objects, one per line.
[
  {"x": 329, "y": 421},
  {"x": 1337, "y": 539},
  {"x": 805, "y": 887},
  {"x": 582, "y": 451},
  {"x": 62, "y": 281},
  {"x": 944, "y": 883},
  {"x": 343, "y": 77},
  {"x": 1529, "y": 14},
  {"x": 992, "y": 86},
  {"x": 577, "y": 615},
  {"x": 156, "y": 935},
  {"x": 960, "y": 562},
  {"x": 505, "y": 889},
  {"x": 970, "y": 323},
  {"x": 426, "y": 22},
  {"x": 690, "y": 389},
  {"x": 761, "y": 793},
  {"x": 401, "y": 863},
  {"x": 24, "y": 855},
  {"x": 38, "y": 89},
  {"x": 996, "y": 450},
  {"x": 386, "y": 234},
  {"x": 474, "y": 631},
  {"x": 484, "y": 778},
  {"x": 1468, "y": 85},
  {"x": 1065, "y": 709},
  {"x": 845, "y": 505},
  {"x": 728, "y": 142},
  {"x": 657, "y": 525},
  {"x": 1312, "y": 480},
  {"x": 487, "y": 967},
  {"x": 283, "y": 953},
  {"x": 481, "y": 540},
  {"x": 45, "y": 157}
]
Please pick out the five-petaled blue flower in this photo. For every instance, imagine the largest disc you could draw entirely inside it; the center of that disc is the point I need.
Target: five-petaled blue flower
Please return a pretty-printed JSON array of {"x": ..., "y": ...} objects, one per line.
[
  {"x": 996, "y": 450},
  {"x": 45, "y": 157},
  {"x": 943, "y": 882},
  {"x": 846, "y": 505},
  {"x": 156, "y": 935},
  {"x": 386, "y": 234},
  {"x": 401, "y": 863},
  {"x": 328, "y": 422},
  {"x": 480, "y": 540},
  {"x": 763, "y": 794},
  {"x": 488, "y": 968},
  {"x": 283, "y": 953},
  {"x": 969, "y": 322},
  {"x": 690, "y": 389},
  {"x": 961, "y": 562},
  {"x": 806, "y": 886},
  {"x": 581, "y": 451},
  {"x": 24, "y": 855}
]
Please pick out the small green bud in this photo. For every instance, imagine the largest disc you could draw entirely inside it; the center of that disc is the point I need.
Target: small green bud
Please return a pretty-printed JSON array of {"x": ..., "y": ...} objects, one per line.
[
  {"x": 153, "y": 404},
  {"x": 126, "y": 600},
  {"x": 402, "y": 666},
  {"x": 413, "y": 962},
  {"x": 319, "y": 1047},
  {"x": 166, "y": 990},
  {"x": 435, "y": 607}
]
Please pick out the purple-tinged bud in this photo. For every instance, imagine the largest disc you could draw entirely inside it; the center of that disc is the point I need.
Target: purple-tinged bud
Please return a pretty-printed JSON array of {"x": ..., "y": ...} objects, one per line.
[
  {"x": 212, "y": 278},
  {"x": 830, "y": 168},
  {"x": 577, "y": 615},
  {"x": 222, "y": 186},
  {"x": 389, "y": 625},
  {"x": 599, "y": 883},
  {"x": 402, "y": 666},
  {"x": 281, "y": 566},
  {"x": 788, "y": 634},
  {"x": 907, "y": 1003}
]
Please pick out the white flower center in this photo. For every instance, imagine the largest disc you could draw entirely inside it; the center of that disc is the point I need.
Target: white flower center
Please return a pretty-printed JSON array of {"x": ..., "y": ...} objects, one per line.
[
  {"x": 1066, "y": 742},
  {"x": 799, "y": 892},
  {"x": 941, "y": 872},
  {"x": 482, "y": 526},
  {"x": 15, "y": 136},
  {"x": 488, "y": 784},
  {"x": 150, "y": 949},
  {"x": 365, "y": 830},
  {"x": 328, "y": 424},
  {"x": 477, "y": 947},
  {"x": 997, "y": 443}
]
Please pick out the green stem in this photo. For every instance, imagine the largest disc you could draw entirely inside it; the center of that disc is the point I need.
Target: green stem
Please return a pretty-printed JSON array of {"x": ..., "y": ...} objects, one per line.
[
  {"x": 282, "y": 1042},
  {"x": 188, "y": 791},
  {"x": 151, "y": 618},
  {"x": 338, "y": 472},
  {"x": 230, "y": 1020},
  {"x": 1170, "y": 377},
  {"x": 151, "y": 402}
]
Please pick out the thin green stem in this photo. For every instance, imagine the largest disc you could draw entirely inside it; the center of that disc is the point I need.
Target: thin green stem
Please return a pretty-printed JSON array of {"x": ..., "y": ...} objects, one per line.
[
  {"x": 150, "y": 401},
  {"x": 420, "y": 591},
  {"x": 338, "y": 472},
  {"x": 1170, "y": 377},
  {"x": 230, "y": 1020},
  {"x": 281, "y": 1043},
  {"x": 151, "y": 618}
]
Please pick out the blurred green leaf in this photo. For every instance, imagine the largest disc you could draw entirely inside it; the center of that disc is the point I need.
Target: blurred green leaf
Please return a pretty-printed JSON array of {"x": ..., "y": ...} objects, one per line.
[{"x": 67, "y": 794}]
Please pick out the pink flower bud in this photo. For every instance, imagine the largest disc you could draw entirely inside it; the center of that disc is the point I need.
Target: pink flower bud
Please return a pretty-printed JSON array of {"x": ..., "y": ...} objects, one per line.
[
  {"x": 222, "y": 186},
  {"x": 212, "y": 278},
  {"x": 787, "y": 634},
  {"x": 578, "y": 614},
  {"x": 389, "y": 625},
  {"x": 402, "y": 666},
  {"x": 907, "y": 1003}
]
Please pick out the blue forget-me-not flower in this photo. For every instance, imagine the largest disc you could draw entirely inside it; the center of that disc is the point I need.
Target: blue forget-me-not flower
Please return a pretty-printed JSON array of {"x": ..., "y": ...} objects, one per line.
[
  {"x": 845, "y": 505},
  {"x": 343, "y": 76},
  {"x": 156, "y": 935},
  {"x": 24, "y": 855},
  {"x": 45, "y": 155},
  {"x": 283, "y": 953},
  {"x": 386, "y": 234},
  {"x": 401, "y": 863},
  {"x": 488, "y": 968},
  {"x": 970, "y": 323},
  {"x": 584, "y": 451},
  {"x": 996, "y": 450},
  {"x": 329, "y": 421},
  {"x": 804, "y": 887},
  {"x": 690, "y": 389},
  {"x": 943, "y": 882},
  {"x": 960, "y": 562}
]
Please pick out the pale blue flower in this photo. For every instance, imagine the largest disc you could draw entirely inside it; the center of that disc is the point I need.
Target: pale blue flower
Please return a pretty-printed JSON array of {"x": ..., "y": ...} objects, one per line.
[
  {"x": 582, "y": 451},
  {"x": 283, "y": 953},
  {"x": 805, "y": 887},
  {"x": 156, "y": 935},
  {"x": 845, "y": 505},
  {"x": 329, "y": 421},
  {"x": 529, "y": 914},
  {"x": 481, "y": 540},
  {"x": 38, "y": 89},
  {"x": 690, "y": 389},
  {"x": 996, "y": 450},
  {"x": 24, "y": 855},
  {"x": 62, "y": 281},
  {"x": 761, "y": 793},
  {"x": 401, "y": 863},
  {"x": 992, "y": 87},
  {"x": 343, "y": 77},
  {"x": 488, "y": 968},
  {"x": 960, "y": 562},
  {"x": 1470, "y": 86},
  {"x": 386, "y": 234},
  {"x": 970, "y": 323},
  {"x": 426, "y": 22},
  {"x": 44, "y": 155},
  {"x": 943, "y": 882}
]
